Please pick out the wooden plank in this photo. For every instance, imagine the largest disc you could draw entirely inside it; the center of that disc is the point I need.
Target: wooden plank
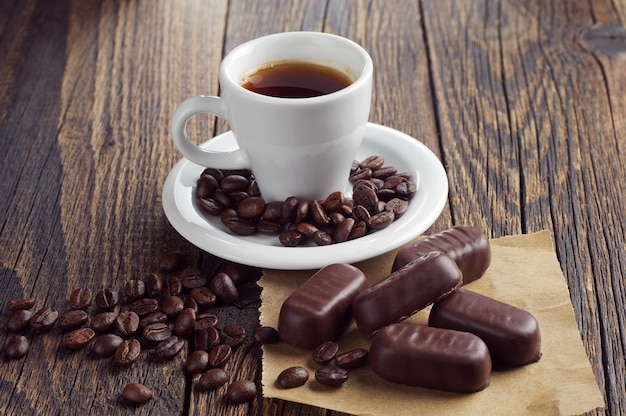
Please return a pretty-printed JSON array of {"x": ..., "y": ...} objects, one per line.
[
  {"x": 527, "y": 83},
  {"x": 99, "y": 79}
]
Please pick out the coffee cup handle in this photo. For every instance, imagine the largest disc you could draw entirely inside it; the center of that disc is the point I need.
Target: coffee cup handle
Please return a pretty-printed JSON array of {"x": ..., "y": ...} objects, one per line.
[{"x": 234, "y": 159}]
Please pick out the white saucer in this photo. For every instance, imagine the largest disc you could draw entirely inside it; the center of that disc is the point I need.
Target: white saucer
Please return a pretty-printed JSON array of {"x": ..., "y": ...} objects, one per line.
[{"x": 399, "y": 150}]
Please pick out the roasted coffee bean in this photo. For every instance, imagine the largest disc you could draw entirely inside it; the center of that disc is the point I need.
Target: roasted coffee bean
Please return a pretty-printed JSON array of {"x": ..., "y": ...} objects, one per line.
[
  {"x": 222, "y": 199},
  {"x": 302, "y": 212},
  {"x": 273, "y": 211},
  {"x": 20, "y": 304},
  {"x": 251, "y": 208},
  {"x": 269, "y": 227},
  {"x": 153, "y": 318},
  {"x": 233, "y": 335},
  {"x": 224, "y": 288},
  {"x": 172, "y": 287},
  {"x": 333, "y": 202},
  {"x": 135, "y": 289},
  {"x": 79, "y": 338},
  {"x": 19, "y": 320},
  {"x": 392, "y": 182},
  {"x": 266, "y": 335},
  {"x": 239, "y": 225},
  {"x": 172, "y": 306},
  {"x": 168, "y": 348},
  {"x": 373, "y": 162},
  {"x": 184, "y": 322},
  {"x": 336, "y": 218},
  {"x": 360, "y": 213},
  {"x": 127, "y": 353},
  {"x": 191, "y": 277},
  {"x": 205, "y": 320},
  {"x": 322, "y": 238},
  {"x": 190, "y": 303},
  {"x": 238, "y": 197},
  {"x": 233, "y": 183},
  {"x": 352, "y": 359},
  {"x": 219, "y": 355},
  {"x": 103, "y": 322},
  {"x": 73, "y": 319},
  {"x": 343, "y": 229},
  {"x": 105, "y": 345},
  {"x": 107, "y": 298},
  {"x": 16, "y": 347},
  {"x": 154, "y": 285},
  {"x": 290, "y": 238},
  {"x": 81, "y": 298},
  {"x": 318, "y": 214},
  {"x": 203, "y": 296},
  {"x": 241, "y": 274},
  {"x": 137, "y": 393},
  {"x": 380, "y": 220},
  {"x": 358, "y": 231},
  {"x": 331, "y": 376},
  {"x": 127, "y": 322},
  {"x": 43, "y": 319},
  {"x": 361, "y": 173},
  {"x": 216, "y": 173},
  {"x": 397, "y": 206},
  {"x": 325, "y": 352},
  {"x": 213, "y": 378},
  {"x": 206, "y": 186},
  {"x": 292, "y": 377},
  {"x": 157, "y": 332},
  {"x": 205, "y": 339},
  {"x": 365, "y": 196},
  {"x": 143, "y": 307},
  {"x": 406, "y": 190},
  {"x": 307, "y": 229},
  {"x": 385, "y": 195},
  {"x": 384, "y": 172},
  {"x": 290, "y": 209},
  {"x": 210, "y": 206},
  {"x": 241, "y": 391},
  {"x": 197, "y": 362}
]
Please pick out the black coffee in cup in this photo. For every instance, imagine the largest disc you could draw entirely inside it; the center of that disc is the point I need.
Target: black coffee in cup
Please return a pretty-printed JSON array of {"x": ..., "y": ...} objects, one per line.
[{"x": 296, "y": 79}]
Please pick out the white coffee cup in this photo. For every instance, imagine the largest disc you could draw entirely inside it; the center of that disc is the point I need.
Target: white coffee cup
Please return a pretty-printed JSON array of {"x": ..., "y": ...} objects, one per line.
[{"x": 301, "y": 147}]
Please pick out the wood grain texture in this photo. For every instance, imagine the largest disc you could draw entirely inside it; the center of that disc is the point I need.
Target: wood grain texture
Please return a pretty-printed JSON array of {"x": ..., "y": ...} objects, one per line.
[{"x": 523, "y": 101}]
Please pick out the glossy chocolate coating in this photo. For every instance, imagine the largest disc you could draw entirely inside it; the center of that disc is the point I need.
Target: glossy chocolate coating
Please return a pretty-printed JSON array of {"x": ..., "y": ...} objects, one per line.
[
  {"x": 406, "y": 291},
  {"x": 512, "y": 334},
  {"x": 432, "y": 358},
  {"x": 467, "y": 246},
  {"x": 321, "y": 309}
]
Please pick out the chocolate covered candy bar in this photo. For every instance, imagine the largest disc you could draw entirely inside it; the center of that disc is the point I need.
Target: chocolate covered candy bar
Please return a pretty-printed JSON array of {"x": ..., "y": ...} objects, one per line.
[
  {"x": 467, "y": 246},
  {"x": 512, "y": 334},
  {"x": 321, "y": 309},
  {"x": 406, "y": 291},
  {"x": 432, "y": 358}
]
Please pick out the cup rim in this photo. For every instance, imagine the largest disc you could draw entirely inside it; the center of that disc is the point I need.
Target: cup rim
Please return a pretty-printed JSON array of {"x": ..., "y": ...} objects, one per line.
[{"x": 363, "y": 77}]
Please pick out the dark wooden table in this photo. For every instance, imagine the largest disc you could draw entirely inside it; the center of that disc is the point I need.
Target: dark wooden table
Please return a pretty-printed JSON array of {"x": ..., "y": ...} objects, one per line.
[{"x": 523, "y": 101}]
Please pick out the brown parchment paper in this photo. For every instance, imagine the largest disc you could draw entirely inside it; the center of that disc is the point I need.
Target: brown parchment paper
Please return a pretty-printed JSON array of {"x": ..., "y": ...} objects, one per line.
[{"x": 524, "y": 272}]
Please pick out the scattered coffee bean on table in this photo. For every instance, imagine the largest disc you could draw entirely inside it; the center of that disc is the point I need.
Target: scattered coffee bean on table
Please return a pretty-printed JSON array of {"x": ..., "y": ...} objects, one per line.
[
  {"x": 213, "y": 378},
  {"x": 241, "y": 391},
  {"x": 137, "y": 393},
  {"x": 17, "y": 347}
]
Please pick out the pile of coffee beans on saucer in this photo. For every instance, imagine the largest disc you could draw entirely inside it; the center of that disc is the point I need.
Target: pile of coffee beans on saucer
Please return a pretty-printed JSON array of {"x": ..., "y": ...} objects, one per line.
[{"x": 380, "y": 195}]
